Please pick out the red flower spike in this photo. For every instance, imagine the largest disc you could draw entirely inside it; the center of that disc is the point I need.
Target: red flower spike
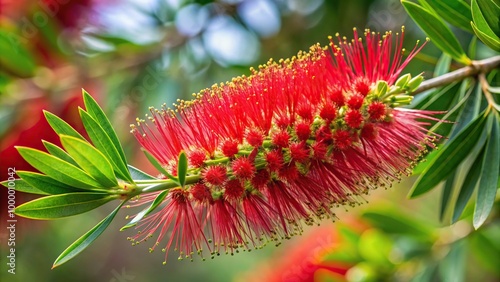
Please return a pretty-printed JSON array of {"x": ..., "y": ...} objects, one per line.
[
  {"x": 319, "y": 151},
  {"x": 368, "y": 132},
  {"x": 324, "y": 134},
  {"x": 377, "y": 110},
  {"x": 259, "y": 216},
  {"x": 230, "y": 148},
  {"x": 197, "y": 158},
  {"x": 179, "y": 217},
  {"x": 255, "y": 138},
  {"x": 201, "y": 193},
  {"x": 362, "y": 86},
  {"x": 328, "y": 112},
  {"x": 303, "y": 131},
  {"x": 274, "y": 160},
  {"x": 313, "y": 133},
  {"x": 281, "y": 139},
  {"x": 337, "y": 97},
  {"x": 353, "y": 118},
  {"x": 233, "y": 190},
  {"x": 283, "y": 122},
  {"x": 299, "y": 152},
  {"x": 342, "y": 139},
  {"x": 305, "y": 112},
  {"x": 289, "y": 172},
  {"x": 260, "y": 179},
  {"x": 215, "y": 175},
  {"x": 243, "y": 168},
  {"x": 355, "y": 101},
  {"x": 227, "y": 227}
]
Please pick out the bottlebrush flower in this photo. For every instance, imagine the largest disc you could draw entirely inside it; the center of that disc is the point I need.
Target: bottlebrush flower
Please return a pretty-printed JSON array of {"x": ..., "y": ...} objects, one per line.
[{"x": 306, "y": 134}]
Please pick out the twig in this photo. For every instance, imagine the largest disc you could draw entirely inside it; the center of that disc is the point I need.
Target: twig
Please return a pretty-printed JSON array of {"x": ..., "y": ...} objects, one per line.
[{"x": 477, "y": 67}]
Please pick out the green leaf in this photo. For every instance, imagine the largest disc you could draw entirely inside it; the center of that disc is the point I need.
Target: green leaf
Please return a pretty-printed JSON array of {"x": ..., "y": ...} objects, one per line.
[
  {"x": 429, "y": 159},
  {"x": 58, "y": 169},
  {"x": 446, "y": 195},
  {"x": 487, "y": 189},
  {"x": 395, "y": 222},
  {"x": 86, "y": 239},
  {"x": 452, "y": 267},
  {"x": 456, "y": 12},
  {"x": 470, "y": 110},
  {"x": 159, "y": 167},
  {"x": 45, "y": 183},
  {"x": 62, "y": 205},
  {"x": 468, "y": 186},
  {"x": 443, "y": 127},
  {"x": 60, "y": 126},
  {"x": 103, "y": 142},
  {"x": 157, "y": 201},
  {"x": 472, "y": 50},
  {"x": 375, "y": 247},
  {"x": 54, "y": 150},
  {"x": 182, "y": 168},
  {"x": 98, "y": 114},
  {"x": 438, "y": 99},
  {"x": 90, "y": 160},
  {"x": 482, "y": 28},
  {"x": 450, "y": 156},
  {"x": 437, "y": 31},
  {"x": 15, "y": 59},
  {"x": 490, "y": 41},
  {"x": 138, "y": 174},
  {"x": 443, "y": 65},
  {"x": 22, "y": 186},
  {"x": 485, "y": 246},
  {"x": 491, "y": 14}
]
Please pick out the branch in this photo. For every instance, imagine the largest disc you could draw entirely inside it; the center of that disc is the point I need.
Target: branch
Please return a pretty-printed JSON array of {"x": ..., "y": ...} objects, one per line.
[{"x": 477, "y": 67}]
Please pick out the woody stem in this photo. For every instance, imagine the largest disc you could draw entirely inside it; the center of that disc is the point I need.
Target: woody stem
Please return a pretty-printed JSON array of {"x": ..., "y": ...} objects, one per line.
[{"x": 477, "y": 67}]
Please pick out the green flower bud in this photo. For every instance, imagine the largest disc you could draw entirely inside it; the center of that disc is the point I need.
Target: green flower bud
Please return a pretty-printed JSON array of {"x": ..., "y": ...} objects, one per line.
[
  {"x": 382, "y": 88},
  {"x": 403, "y": 81},
  {"x": 414, "y": 83}
]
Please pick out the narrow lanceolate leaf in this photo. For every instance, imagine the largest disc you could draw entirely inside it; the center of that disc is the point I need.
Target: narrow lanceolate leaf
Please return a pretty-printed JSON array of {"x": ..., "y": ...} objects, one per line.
[
  {"x": 98, "y": 114},
  {"x": 437, "y": 31},
  {"x": 88, "y": 238},
  {"x": 456, "y": 12},
  {"x": 446, "y": 194},
  {"x": 487, "y": 190},
  {"x": 450, "y": 156},
  {"x": 56, "y": 151},
  {"x": 58, "y": 169},
  {"x": 452, "y": 267},
  {"x": 62, "y": 205},
  {"x": 443, "y": 65},
  {"x": 182, "y": 167},
  {"x": 159, "y": 167},
  {"x": 90, "y": 160},
  {"x": 468, "y": 186},
  {"x": 491, "y": 13},
  {"x": 22, "y": 186},
  {"x": 470, "y": 110},
  {"x": 157, "y": 201},
  {"x": 60, "y": 126},
  {"x": 45, "y": 183},
  {"x": 138, "y": 174},
  {"x": 103, "y": 142},
  {"x": 491, "y": 41},
  {"x": 393, "y": 222},
  {"x": 482, "y": 28}
]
